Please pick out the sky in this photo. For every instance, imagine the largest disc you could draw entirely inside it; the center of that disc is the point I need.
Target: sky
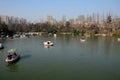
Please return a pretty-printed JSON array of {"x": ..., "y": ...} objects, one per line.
[{"x": 34, "y": 10}]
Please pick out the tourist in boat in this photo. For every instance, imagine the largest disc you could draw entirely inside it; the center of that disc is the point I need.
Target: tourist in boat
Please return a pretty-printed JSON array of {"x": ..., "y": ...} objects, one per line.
[
  {"x": 48, "y": 43},
  {"x": 12, "y": 57},
  {"x": 9, "y": 56}
]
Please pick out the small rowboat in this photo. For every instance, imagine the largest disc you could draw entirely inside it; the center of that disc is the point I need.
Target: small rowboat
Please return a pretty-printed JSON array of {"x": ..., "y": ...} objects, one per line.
[
  {"x": 1, "y": 46},
  {"x": 82, "y": 39},
  {"x": 48, "y": 43},
  {"x": 118, "y": 39},
  {"x": 12, "y": 58}
]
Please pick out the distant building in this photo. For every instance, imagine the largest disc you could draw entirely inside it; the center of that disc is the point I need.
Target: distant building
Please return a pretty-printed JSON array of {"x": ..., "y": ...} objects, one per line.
[
  {"x": 23, "y": 21},
  {"x": 4, "y": 19},
  {"x": 50, "y": 19},
  {"x": 0, "y": 20},
  {"x": 63, "y": 20},
  {"x": 12, "y": 20},
  {"x": 72, "y": 21},
  {"x": 80, "y": 19}
]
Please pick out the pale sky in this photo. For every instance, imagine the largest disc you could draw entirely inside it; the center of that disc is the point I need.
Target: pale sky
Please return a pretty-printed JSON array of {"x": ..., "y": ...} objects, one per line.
[{"x": 36, "y": 9}]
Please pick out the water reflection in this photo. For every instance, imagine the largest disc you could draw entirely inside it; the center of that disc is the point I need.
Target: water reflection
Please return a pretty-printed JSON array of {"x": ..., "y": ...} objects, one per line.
[
  {"x": 47, "y": 46},
  {"x": 68, "y": 59},
  {"x": 12, "y": 67}
]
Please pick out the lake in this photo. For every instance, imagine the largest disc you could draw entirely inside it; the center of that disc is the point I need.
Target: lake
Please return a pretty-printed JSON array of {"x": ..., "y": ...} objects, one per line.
[{"x": 98, "y": 58}]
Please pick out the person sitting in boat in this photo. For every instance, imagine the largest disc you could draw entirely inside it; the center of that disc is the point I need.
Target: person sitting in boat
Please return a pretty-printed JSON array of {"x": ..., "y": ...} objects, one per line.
[
  {"x": 14, "y": 55},
  {"x": 48, "y": 42},
  {"x": 9, "y": 56}
]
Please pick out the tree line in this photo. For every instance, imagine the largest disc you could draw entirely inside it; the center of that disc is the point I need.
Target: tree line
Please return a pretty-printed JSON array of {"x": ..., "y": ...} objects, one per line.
[{"x": 109, "y": 26}]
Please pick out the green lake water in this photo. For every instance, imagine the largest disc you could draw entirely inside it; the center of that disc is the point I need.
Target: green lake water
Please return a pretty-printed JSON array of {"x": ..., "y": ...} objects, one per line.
[{"x": 97, "y": 58}]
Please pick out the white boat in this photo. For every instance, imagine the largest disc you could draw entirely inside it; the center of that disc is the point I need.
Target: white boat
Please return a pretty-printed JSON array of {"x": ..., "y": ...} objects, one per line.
[
  {"x": 82, "y": 39},
  {"x": 118, "y": 39},
  {"x": 55, "y": 35},
  {"x": 48, "y": 43},
  {"x": 1, "y": 46},
  {"x": 104, "y": 35}
]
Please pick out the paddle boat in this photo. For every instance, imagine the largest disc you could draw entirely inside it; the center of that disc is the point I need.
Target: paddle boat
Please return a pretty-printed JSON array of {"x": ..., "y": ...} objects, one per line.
[
  {"x": 12, "y": 57},
  {"x": 48, "y": 43},
  {"x": 1, "y": 46},
  {"x": 118, "y": 39},
  {"x": 82, "y": 39}
]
